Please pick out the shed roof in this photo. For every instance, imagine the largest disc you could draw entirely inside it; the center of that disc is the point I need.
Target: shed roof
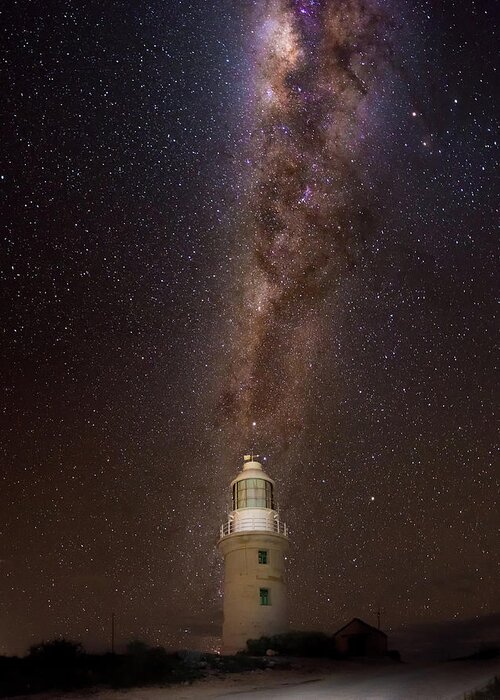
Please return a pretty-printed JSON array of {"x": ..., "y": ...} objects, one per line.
[{"x": 362, "y": 622}]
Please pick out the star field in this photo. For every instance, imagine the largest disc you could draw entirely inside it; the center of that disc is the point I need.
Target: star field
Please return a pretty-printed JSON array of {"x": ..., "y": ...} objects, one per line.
[{"x": 132, "y": 209}]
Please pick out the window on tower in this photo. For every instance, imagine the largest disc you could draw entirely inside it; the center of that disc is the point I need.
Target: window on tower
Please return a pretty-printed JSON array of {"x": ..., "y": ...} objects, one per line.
[
  {"x": 264, "y": 596},
  {"x": 253, "y": 493},
  {"x": 263, "y": 556}
]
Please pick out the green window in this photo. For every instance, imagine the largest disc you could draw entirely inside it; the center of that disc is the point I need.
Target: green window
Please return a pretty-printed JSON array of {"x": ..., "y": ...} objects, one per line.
[
  {"x": 264, "y": 596},
  {"x": 263, "y": 556}
]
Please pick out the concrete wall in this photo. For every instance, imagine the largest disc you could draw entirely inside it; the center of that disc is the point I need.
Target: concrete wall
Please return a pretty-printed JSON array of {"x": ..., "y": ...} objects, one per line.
[{"x": 244, "y": 616}]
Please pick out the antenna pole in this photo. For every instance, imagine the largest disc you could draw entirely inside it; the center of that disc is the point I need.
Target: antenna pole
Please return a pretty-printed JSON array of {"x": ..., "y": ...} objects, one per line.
[
  {"x": 379, "y": 613},
  {"x": 112, "y": 633}
]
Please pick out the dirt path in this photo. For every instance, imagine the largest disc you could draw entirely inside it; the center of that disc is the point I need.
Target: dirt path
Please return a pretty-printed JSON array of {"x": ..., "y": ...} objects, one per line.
[
  {"x": 438, "y": 682},
  {"x": 445, "y": 681}
]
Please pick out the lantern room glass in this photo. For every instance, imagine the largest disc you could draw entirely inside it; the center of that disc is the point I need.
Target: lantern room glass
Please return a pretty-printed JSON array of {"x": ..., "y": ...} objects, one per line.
[{"x": 253, "y": 493}]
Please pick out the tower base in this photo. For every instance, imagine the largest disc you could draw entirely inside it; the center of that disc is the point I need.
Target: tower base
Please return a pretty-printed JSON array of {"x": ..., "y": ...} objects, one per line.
[{"x": 254, "y": 587}]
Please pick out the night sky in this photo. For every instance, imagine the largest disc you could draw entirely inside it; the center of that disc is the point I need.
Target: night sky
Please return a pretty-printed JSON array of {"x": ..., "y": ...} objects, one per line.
[{"x": 280, "y": 212}]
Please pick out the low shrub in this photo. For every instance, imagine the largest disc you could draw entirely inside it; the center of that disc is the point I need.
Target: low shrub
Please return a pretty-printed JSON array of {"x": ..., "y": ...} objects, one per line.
[
  {"x": 305, "y": 644},
  {"x": 490, "y": 692}
]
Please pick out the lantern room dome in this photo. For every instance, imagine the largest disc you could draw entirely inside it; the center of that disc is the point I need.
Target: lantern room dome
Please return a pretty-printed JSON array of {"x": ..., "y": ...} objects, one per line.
[
  {"x": 252, "y": 488},
  {"x": 252, "y": 500},
  {"x": 252, "y": 470}
]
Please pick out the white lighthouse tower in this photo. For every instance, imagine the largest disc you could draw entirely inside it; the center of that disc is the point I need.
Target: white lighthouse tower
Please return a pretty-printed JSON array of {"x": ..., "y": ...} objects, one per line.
[{"x": 253, "y": 543}]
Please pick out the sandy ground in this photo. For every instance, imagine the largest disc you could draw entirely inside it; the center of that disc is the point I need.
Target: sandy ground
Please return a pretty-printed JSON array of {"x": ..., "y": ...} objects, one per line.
[{"x": 337, "y": 681}]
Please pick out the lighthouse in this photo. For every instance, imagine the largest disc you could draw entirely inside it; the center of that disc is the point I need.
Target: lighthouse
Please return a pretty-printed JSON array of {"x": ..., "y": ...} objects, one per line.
[{"x": 253, "y": 543}]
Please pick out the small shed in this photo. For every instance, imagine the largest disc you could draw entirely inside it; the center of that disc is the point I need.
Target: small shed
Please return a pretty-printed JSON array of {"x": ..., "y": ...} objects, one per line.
[{"x": 357, "y": 638}]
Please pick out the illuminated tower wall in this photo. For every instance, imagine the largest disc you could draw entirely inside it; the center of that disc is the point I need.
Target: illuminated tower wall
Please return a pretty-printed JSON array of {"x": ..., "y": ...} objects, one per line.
[{"x": 253, "y": 543}]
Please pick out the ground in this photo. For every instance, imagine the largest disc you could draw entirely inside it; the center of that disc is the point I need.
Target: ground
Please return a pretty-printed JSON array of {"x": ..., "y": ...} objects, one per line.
[{"x": 313, "y": 681}]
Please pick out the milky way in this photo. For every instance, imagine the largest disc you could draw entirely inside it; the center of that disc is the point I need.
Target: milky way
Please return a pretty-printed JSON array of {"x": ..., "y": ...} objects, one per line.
[
  {"x": 162, "y": 177},
  {"x": 316, "y": 67}
]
